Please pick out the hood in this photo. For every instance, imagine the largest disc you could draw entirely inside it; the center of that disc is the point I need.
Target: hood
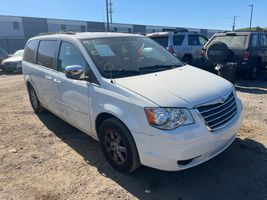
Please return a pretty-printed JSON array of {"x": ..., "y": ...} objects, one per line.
[
  {"x": 12, "y": 59},
  {"x": 186, "y": 86}
]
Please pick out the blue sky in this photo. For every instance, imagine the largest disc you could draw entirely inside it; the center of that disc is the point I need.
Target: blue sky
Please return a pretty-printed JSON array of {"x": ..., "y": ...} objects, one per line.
[{"x": 199, "y": 13}]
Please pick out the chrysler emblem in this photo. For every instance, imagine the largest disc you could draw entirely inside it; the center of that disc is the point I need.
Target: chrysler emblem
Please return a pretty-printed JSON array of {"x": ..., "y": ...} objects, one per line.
[{"x": 222, "y": 100}]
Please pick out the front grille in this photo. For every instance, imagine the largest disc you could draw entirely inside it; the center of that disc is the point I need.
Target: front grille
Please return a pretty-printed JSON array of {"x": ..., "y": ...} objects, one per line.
[{"x": 216, "y": 115}]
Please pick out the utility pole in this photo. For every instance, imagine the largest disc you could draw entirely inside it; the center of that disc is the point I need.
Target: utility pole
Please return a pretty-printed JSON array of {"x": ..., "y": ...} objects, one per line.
[
  {"x": 110, "y": 10},
  {"x": 107, "y": 15},
  {"x": 234, "y": 21},
  {"x": 251, "y": 14}
]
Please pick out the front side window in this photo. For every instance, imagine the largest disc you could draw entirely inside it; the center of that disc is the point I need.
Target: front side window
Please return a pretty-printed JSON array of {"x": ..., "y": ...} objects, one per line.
[
  {"x": 46, "y": 53},
  {"x": 69, "y": 55},
  {"x": 128, "y": 56},
  {"x": 30, "y": 50},
  {"x": 202, "y": 40}
]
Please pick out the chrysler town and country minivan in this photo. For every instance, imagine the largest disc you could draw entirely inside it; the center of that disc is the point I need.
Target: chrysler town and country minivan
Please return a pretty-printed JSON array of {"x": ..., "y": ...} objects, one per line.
[{"x": 142, "y": 104}]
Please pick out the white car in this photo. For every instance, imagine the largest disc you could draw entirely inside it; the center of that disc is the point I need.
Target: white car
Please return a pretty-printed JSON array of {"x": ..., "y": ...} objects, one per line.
[
  {"x": 13, "y": 63},
  {"x": 142, "y": 104}
]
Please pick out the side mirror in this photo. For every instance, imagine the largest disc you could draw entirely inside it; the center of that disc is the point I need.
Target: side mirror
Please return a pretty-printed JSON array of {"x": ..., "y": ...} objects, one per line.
[{"x": 75, "y": 72}]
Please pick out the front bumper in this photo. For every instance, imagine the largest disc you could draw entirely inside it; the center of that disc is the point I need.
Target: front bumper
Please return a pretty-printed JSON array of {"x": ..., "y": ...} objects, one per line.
[{"x": 164, "y": 153}]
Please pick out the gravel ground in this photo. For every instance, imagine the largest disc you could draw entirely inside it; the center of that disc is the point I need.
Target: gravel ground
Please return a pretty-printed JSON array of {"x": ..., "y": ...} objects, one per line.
[{"x": 42, "y": 157}]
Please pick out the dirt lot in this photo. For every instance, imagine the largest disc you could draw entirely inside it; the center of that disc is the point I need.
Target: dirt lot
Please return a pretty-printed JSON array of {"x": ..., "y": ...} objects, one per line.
[{"x": 42, "y": 157}]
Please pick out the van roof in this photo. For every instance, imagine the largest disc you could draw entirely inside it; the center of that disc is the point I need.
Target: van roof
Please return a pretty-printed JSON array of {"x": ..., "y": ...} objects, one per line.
[{"x": 83, "y": 35}]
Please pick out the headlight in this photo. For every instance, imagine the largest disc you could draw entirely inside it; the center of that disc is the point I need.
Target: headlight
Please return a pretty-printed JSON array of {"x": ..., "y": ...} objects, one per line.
[{"x": 168, "y": 118}]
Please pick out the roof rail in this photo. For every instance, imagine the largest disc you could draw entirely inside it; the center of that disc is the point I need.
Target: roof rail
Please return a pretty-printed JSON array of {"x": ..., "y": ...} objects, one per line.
[
  {"x": 59, "y": 32},
  {"x": 176, "y": 30}
]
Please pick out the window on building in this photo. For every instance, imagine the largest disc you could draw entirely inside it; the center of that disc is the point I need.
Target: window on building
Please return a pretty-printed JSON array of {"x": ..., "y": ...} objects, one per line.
[
  {"x": 15, "y": 25},
  {"x": 30, "y": 50},
  {"x": 63, "y": 27},
  {"x": 83, "y": 28},
  {"x": 129, "y": 30},
  {"x": 46, "y": 53},
  {"x": 115, "y": 29}
]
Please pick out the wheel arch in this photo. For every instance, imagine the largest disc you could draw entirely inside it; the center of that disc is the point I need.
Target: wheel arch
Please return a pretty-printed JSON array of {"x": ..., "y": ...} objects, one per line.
[{"x": 101, "y": 117}]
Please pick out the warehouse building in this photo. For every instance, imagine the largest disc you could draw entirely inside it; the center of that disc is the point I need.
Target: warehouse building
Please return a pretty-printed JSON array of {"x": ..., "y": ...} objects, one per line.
[{"x": 15, "y": 31}]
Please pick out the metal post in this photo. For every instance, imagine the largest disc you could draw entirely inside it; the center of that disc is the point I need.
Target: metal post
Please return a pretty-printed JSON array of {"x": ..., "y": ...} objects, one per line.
[
  {"x": 110, "y": 11},
  {"x": 107, "y": 15},
  {"x": 251, "y": 14}
]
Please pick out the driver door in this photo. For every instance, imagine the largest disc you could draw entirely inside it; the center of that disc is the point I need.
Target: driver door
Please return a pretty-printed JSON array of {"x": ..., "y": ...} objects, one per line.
[{"x": 73, "y": 95}]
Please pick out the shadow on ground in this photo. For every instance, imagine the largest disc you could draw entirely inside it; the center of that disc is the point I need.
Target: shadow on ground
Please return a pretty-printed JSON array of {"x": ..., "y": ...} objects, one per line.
[
  {"x": 238, "y": 173},
  {"x": 258, "y": 86}
]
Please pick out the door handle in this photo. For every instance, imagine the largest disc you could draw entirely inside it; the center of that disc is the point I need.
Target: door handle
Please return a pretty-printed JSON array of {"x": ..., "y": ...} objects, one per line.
[{"x": 48, "y": 77}]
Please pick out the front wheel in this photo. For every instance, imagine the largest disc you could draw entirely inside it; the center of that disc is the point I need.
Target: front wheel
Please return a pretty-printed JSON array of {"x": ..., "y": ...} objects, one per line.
[{"x": 118, "y": 146}]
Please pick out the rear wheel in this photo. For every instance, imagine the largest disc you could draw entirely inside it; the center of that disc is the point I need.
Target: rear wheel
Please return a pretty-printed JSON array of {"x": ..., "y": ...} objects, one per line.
[
  {"x": 35, "y": 103},
  {"x": 118, "y": 146}
]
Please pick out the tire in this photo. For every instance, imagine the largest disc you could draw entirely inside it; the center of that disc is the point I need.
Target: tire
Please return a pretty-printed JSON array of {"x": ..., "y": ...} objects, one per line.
[
  {"x": 118, "y": 146},
  {"x": 35, "y": 103},
  {"x": 253, "y": 72},
  {"x": 217, "y": 53}
]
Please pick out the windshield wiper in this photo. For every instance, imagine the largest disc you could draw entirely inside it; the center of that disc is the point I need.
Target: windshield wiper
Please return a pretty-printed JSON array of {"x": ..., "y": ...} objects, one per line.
[
  {"x": 159, "y": 67},
  {"x": 121, "y": 73}
]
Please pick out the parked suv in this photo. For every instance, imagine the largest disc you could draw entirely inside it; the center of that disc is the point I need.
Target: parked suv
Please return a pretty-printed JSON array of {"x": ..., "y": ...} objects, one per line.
[
  {"x": 247, "y": 49},
  {"x": 135, "y": 97},
  {"x": 186, "y": 45}
]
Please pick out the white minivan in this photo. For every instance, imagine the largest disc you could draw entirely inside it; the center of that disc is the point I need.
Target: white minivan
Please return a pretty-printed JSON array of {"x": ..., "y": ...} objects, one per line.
[{"x": 142, "y": 104}]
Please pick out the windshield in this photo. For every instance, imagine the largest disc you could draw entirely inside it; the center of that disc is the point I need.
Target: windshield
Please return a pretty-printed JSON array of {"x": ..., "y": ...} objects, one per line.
[
  {"x": 117, "y": 57},
  {"x": 18, "y": 53},
  {"x": 232, "y": 41}
]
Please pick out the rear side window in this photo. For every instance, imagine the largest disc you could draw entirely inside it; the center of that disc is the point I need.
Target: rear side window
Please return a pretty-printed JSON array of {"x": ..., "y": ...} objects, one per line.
[
  {"x": 47, "y": 53},
  {"x": 254, "y": 41},
  {"x": 163, "y": 41},
  {"x": 30, "y": 50},
  {"x": 178, "y": 40},
  {"x": 263, "y": 40},
  {"x": 69, "y": 55}
]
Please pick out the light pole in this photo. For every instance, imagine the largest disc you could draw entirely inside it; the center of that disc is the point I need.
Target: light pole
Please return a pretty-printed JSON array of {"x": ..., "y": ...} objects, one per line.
[{"x": 251, "y": 14}]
